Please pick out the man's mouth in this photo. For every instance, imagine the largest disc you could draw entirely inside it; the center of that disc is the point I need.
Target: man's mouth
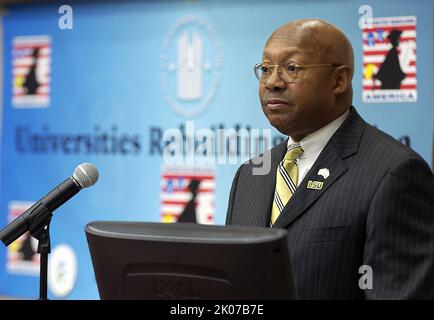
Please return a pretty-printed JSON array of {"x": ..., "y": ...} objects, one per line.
[{"x": 274, "y": 104}]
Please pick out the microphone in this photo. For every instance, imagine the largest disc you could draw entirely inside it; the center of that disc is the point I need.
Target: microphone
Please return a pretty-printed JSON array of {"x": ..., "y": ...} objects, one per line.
[{"x": 37, "y": 216}]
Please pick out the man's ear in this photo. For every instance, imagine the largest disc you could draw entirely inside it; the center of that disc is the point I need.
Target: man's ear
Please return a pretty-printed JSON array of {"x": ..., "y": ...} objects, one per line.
[{"x": 342, "y": 79}]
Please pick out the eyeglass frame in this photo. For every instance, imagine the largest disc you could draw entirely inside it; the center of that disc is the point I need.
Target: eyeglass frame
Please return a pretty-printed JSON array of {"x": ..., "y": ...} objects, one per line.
[{"x": 296, "y": 65}]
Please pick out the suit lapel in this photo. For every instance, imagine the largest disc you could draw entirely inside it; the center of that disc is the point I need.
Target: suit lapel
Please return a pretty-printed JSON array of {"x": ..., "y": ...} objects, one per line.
[
  {"x": 303, "y": 196},
  {"x": 343, "y": 144}
]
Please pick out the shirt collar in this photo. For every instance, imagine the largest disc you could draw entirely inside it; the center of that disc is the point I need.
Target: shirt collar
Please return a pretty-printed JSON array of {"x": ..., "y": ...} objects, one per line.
[{"x": 313, "y": 143}]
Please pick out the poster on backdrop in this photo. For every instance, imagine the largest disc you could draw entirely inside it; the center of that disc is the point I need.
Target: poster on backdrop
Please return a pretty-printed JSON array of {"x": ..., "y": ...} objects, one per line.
[{"x": 389, "y": 60}]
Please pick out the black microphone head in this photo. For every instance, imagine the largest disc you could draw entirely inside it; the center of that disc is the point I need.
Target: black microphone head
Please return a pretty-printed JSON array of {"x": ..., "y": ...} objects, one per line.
[{"x": 86, "y": 174}]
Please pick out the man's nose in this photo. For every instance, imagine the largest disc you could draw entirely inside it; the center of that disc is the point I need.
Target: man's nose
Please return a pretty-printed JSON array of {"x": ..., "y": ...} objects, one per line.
[{"x": 274, "y": 82}]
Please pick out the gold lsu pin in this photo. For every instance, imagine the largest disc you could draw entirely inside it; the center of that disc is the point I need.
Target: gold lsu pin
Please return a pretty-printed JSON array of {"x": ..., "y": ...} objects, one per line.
[{"x": 315, "y": 185}]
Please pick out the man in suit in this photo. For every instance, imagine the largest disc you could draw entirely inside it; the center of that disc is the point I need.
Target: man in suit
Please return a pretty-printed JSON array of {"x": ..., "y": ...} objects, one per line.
[{"x": 357, "y": 204}]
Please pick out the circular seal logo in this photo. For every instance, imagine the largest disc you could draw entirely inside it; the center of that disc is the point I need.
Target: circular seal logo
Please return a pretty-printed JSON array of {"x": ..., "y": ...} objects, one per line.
[
  {"x": 62, "y": 270},
  {"x": 191, "y": 63}
]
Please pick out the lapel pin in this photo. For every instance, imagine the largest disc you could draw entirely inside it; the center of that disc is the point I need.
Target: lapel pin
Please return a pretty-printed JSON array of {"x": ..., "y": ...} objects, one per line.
[
  {"x": 324, "y": 172},
  {"x": 315, "y": 185}
]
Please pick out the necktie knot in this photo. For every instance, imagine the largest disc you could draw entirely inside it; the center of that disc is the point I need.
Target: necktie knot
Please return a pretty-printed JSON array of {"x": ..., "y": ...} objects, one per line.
[{"x": 293, "y": 152}]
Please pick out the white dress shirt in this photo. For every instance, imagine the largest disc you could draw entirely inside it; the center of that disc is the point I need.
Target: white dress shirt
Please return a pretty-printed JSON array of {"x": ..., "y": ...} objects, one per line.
[{"x": 313, "y": 144}]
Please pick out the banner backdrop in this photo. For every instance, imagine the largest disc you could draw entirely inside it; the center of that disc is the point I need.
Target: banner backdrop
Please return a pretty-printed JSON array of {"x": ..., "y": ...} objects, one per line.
[{"x": 156, "y": 94}]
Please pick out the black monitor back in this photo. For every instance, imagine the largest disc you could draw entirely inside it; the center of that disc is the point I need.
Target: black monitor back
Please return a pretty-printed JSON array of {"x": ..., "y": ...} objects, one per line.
[{"x": 134, "y": 260}]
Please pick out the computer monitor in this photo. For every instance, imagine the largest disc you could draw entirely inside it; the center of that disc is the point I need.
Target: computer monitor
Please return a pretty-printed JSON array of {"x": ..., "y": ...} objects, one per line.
[{"x": 137, "y": 260}]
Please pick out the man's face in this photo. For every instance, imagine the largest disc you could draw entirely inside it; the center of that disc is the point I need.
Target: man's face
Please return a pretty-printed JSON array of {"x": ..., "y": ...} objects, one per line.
[{"x": 304, "y": 105}]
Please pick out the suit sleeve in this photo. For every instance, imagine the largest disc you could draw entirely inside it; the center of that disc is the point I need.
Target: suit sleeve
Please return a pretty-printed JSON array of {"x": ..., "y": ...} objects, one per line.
[
  {"x": 400, "y": 234},
  {"x": 232, "y": 197}
]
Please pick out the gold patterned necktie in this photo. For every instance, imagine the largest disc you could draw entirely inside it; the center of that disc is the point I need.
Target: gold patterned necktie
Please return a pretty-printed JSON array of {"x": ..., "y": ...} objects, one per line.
[{"x": 286, "y": 180}]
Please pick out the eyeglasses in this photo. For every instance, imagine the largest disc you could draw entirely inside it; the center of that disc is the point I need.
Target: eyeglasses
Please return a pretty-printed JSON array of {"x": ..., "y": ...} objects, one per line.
[{"x": 288, "y": 71}]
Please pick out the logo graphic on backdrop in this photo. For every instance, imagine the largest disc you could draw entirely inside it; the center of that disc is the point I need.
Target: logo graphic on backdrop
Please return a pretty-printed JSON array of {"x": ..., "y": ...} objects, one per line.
[
  {"x": 62, "y": 270},
  {"x": 187, "y": 193},
  {"x": 190, "y": 66},
  {"x": 389, "y": 60},
  {"x": 31, "y": 71},
  {"x": 21, "y": 255}
]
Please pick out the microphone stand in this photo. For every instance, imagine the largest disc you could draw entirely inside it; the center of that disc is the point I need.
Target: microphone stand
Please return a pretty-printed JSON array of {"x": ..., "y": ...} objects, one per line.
[
  {"x": 40, "y": 229},
  {"x": 44, "y": 248}
]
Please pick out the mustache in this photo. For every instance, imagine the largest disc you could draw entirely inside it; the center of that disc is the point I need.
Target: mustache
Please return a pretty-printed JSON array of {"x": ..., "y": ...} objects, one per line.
[{"x": 271, "y": 96}]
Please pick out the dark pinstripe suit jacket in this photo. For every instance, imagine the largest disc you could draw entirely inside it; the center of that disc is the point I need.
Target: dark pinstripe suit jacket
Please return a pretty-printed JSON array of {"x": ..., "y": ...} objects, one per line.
[{"x": 376, "y": 208}]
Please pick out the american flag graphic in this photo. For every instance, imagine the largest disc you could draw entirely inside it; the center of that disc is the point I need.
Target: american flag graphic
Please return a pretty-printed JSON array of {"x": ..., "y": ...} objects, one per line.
[
  {"x": 31, "y": 71},
  {"x": 389, "y": 60},
  {"x": 21, "y": 255},
  {"x": 187, "y": 194}
]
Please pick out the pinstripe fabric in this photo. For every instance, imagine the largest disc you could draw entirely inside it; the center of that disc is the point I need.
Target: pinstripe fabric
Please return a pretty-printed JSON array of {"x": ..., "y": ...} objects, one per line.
[{"x": 376, "y": 208}]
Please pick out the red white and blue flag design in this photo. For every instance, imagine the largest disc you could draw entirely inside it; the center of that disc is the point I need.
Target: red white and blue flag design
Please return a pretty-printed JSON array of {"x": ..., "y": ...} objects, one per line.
[
  {"x": 389, "y": 60},
  {"x": 187, "y": 194},
  {"x": 31, "y": 71},
  {"x": 21, "y": 255}
]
